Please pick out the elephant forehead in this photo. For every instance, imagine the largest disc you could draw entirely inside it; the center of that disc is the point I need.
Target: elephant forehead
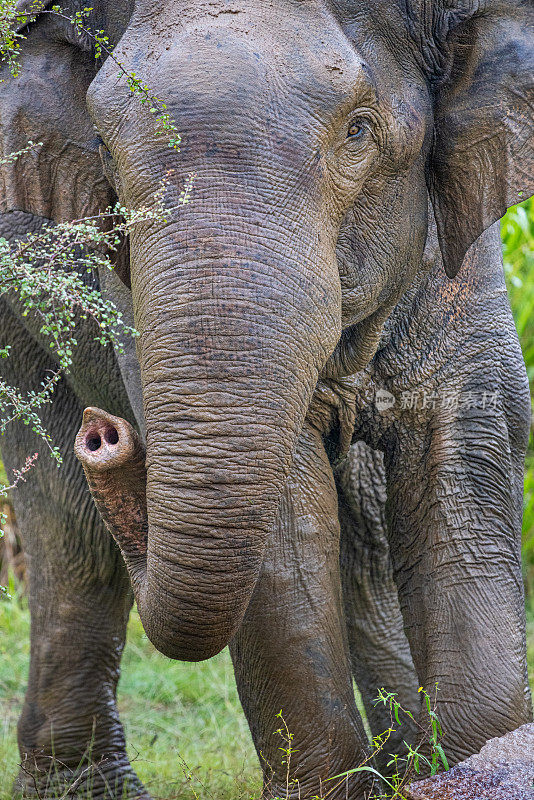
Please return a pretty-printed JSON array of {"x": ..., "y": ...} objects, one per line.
[{"x": 241, "y": 56}]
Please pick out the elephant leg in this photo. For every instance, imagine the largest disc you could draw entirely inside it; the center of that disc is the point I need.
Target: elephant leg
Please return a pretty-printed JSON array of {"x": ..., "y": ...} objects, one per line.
[
  {"x": 379, "y": 650},
  {"x": 291, "y": 655},
  {"x": 454, "y": 502},
  {"x": 69, "y": 732}
]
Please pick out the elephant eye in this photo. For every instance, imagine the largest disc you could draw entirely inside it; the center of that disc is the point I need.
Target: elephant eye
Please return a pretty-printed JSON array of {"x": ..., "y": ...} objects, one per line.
[{"x": 356, "y": 130}]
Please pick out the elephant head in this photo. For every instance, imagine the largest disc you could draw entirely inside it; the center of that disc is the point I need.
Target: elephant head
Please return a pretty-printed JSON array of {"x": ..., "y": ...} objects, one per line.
[{"x": 315, "y": 131}]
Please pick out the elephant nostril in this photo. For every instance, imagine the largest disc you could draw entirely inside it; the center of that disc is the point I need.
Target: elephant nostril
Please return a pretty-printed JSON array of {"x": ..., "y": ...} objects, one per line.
[
  {"x": 93, "y": 442},
  {"x": 111, "y": 436}
]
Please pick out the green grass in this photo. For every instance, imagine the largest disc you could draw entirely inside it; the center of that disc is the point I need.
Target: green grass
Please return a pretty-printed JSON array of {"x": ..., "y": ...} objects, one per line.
[
  {"x": 517, "y": 232},
  {"x": 180, "y": 719},
  {"x": 194, "y": 723}
]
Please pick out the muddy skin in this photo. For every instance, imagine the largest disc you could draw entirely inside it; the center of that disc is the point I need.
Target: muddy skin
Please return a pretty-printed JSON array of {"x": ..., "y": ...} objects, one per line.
[{"x": 346, "y": 158}]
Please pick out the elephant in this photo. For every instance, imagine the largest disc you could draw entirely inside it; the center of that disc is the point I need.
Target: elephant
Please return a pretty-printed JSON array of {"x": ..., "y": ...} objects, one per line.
[{"x": 313, "y": 451}]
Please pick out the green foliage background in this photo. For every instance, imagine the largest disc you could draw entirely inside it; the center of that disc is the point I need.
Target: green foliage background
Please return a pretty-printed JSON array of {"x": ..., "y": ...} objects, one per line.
[{"x": 517, "y": 231}]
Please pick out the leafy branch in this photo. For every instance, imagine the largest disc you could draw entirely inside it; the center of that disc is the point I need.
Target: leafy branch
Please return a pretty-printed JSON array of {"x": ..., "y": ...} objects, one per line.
[
  {"x": 10, "y": 43},
  {"x": 45, "y": 274},
  {"x": 430, "y": 735}
]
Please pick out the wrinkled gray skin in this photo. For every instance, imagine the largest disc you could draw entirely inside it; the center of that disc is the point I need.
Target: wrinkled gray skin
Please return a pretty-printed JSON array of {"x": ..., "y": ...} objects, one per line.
[{"x": 271, "y": 311}]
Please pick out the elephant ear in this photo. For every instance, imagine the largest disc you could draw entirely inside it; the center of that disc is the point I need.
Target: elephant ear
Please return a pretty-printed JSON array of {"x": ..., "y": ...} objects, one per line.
[
  {"x": 61, "y": 178},
  {"x": 482, "y": 160}
]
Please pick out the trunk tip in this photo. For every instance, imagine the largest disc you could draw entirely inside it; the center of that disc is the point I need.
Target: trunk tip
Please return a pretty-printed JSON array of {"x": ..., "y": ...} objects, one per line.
[{"x": 105, "y": 441}]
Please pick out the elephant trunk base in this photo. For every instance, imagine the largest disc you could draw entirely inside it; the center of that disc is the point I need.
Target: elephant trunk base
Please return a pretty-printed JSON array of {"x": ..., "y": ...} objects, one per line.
[{"x": 113, "y": 459}]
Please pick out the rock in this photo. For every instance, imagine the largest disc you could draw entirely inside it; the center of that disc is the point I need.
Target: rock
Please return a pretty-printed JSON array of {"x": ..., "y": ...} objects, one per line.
[{"x": 503, "y": 770}]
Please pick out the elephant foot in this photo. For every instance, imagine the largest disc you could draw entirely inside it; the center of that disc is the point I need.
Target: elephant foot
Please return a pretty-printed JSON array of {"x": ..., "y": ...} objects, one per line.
[{"x": 109, "y": 779}]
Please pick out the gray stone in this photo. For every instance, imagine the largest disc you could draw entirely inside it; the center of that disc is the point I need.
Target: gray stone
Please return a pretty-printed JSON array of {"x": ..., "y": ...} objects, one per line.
[{"x": 503, "y": 770}]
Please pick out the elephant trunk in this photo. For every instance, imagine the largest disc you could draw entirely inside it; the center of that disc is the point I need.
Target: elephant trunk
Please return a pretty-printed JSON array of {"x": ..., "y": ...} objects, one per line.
[
  {"x": 230, "y": 350},
  {"x": 113, "y": 459}
]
